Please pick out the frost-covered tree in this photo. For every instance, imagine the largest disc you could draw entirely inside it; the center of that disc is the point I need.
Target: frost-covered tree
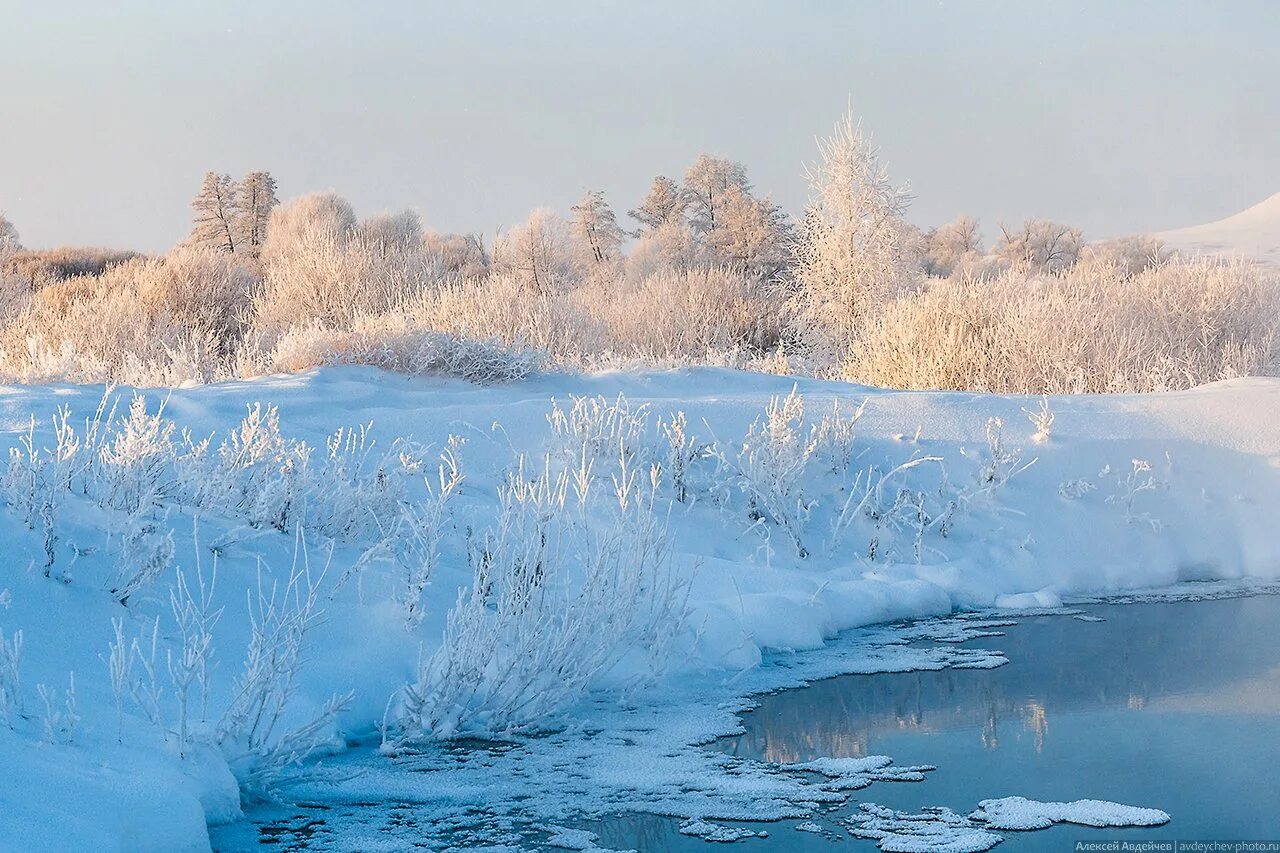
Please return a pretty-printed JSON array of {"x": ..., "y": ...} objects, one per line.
[
  {"x": 257, "y": 191},
  {"x": 948, "y": 246},
  {"x": 705, "y": 185},
  {"x": 9, "y": 242},
  {"x": 385, "y": 233},
  {"x": 668, "y": 247},
  {"x": 217, "y": 213},
  {"x": 753, "y": 236},
  {"x": 538, "y": 252},
  {"x": 854, "y": 247},
  {"x": 1040, "y": 245},
  {"x": 595, "y": 229},
  {"x": 664, "y": 203},
  {"x": 457, "y": 256},
  {"x": 1131, "y": 255},
  {"x": 309, "y": 218}
]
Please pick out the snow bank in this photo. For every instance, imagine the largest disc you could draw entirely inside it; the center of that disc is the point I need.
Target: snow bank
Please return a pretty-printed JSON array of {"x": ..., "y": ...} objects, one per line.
[{"x": 914, "y": 512}]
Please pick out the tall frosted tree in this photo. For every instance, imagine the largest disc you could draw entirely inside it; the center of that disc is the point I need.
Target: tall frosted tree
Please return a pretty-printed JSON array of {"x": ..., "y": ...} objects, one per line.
[
  {"x": 9, "y": 241},
  {"x": 854, "y": 248},
  {"x": 705, "y": 185},
  {"x": 257, "y": 198},
  {"x": 596, "y": 229},
  {"x": 664, "y": 204},
  {"x": 217, "y": 211}
]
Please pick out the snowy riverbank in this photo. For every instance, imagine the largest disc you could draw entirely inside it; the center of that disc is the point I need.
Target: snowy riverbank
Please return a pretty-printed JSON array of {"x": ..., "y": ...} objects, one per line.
[{"x": 808, "y": 525}]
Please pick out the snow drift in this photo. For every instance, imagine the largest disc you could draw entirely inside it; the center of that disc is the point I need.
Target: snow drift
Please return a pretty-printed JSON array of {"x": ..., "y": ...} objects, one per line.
[{"x": 1253, "y": 234}]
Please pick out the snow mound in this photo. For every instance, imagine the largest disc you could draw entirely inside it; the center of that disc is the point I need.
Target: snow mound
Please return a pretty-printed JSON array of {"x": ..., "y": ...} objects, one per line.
[{"x": 1252, "y": 234}]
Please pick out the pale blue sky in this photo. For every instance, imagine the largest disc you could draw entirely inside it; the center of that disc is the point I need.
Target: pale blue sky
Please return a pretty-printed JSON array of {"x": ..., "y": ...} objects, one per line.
[{"x": 1118, "y": 117}]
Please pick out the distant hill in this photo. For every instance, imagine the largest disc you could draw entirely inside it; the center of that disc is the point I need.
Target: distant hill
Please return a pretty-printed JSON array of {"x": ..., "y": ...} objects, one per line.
[{"x": 1252, "y": 233}]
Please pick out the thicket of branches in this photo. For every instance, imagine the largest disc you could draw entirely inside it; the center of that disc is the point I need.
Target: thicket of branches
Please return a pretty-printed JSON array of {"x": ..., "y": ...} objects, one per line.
[{"x": 712, "y": 272}]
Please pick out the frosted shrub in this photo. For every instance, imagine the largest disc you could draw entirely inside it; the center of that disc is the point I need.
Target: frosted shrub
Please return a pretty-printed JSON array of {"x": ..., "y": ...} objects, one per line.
[
  {"x": 10, "y": 677},
  {"x": 559, "y": 596},
  {"x": 34, "y": 483},
  {"x": 146, "y": 553},
  {"x": 682, "y": 450},
  {"x": 1042, "y": 419},
  {"x": 261, "y": 471},
  {"x": 769, "y": 467},
  {"x": 398, "y": 342},
  {"x": 135, "y": 467},
  {"x": 680, "y": 316},
  {"x": 422, "y": 529},
  {"x": 189, "y": 668},
  {"x": 592, "y": 428},
  {"x": 148, "y": 321},
  {"x": 501, "y": 308},
  {"x": 998, "y": 464},
  {"x": 61, "y": 716},
  {"x": 320, "y": 266},
  {"x": 1094, "y": 328},
  {"x": 833, "y": 436},
  {"x": 1140, "y": 478},
  {"x": 280, "y": 619},
  {"x": 890, "y": 507},
  {"x": 781, "y": 454}
]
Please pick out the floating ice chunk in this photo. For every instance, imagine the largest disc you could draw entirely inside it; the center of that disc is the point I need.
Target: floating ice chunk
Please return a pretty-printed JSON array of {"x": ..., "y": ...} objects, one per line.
[
  {"x": 852, "y": 774},
  {"x": 708, "y": 831},
  {"x": 565, "y": 838},
  {"x": 809, "y": 826},
  {"x": 1021, "y": 813},
  {"x": 834, "y": 767},
  {"x": 933, "y": 830}
]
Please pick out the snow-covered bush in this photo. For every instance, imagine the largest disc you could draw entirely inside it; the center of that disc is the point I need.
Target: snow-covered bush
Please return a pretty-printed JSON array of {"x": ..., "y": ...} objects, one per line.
[
  {"x": 780, "y": 457},
  {"x": 10, "y": 677},
  {"x": 594, "y": 429},
  {"x": 61, "y": 714},
  {"x": 396, "y": 341},
  {"x": 769, "y": 468},
  {"x": 1138, "y": 479},
  {"x": 1042, "y": 419},
  {"x": 328, "y": 270},
  {"x": 281, "y": 616},
  {"x": 421, "y": 530},
  {"x": 682, "y": 315},
  {"x": 567, "y": 582},
  {"x": 1093, "y": 328},
  {"x": 157, "y": 321}
]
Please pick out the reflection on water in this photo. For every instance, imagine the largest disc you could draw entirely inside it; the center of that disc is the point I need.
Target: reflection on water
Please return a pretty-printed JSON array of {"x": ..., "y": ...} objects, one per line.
[
  {"x": 1170, "y": 705},
  {"x": 1209, "y": 656}
]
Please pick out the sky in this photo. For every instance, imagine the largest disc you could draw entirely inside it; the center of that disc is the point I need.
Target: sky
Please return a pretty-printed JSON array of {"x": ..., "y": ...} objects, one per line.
[{"x": 1116, "y": 117}]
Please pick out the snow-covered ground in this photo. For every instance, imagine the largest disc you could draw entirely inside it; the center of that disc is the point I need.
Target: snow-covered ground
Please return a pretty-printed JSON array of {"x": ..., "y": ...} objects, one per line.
[
  {"x": 806, "y": 526},
  {"x": 1252, "y": 234}
]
